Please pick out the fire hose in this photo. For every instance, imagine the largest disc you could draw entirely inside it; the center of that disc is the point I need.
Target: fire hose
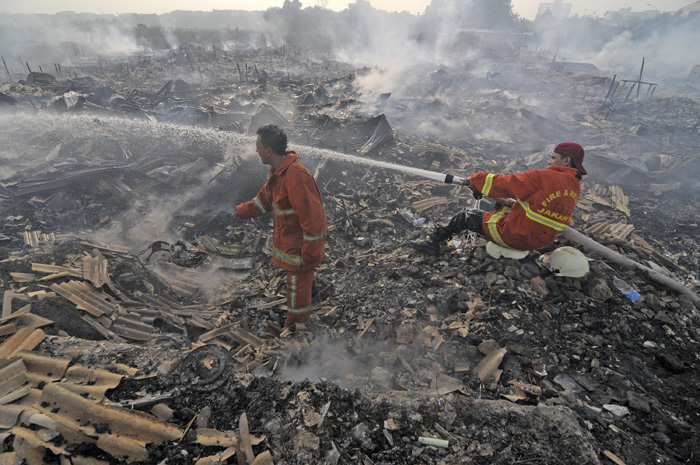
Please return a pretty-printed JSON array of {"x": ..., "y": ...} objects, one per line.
[{"x": 590, "y": 244}]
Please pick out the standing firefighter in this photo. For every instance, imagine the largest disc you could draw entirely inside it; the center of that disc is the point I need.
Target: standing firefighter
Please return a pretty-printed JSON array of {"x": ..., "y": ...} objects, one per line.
[
  {"x": 543, "y": 205},
  {"x": 299, "y": 220}
]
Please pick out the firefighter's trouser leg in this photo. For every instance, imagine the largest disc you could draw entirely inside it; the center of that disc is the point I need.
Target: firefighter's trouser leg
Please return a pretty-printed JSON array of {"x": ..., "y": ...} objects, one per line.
[
  {"x": 299, "y": 298},
  {"x": 466, "y": 220}
]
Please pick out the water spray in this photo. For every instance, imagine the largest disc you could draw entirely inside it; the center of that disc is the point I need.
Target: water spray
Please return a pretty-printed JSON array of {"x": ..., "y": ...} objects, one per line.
[{"x": 176, "y": 137}]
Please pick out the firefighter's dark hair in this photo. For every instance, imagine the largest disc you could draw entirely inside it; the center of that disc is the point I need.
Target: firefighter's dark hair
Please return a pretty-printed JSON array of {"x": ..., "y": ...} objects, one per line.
[{"x": 272, "y": 136}]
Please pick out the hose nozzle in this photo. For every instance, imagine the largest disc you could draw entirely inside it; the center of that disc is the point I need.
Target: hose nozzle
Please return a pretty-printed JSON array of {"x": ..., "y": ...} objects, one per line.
[{"x": 451, "y": 179}]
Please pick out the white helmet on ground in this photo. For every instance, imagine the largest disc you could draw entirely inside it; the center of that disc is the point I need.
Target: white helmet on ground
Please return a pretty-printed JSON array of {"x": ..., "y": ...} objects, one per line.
[
  {"x": 565, "y": 261},
  {"x": 496, "y": 251}
]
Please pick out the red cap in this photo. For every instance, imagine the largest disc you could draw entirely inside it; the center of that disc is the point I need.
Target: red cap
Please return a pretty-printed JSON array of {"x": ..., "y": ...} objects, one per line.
[{"x": 574, "y": 152}]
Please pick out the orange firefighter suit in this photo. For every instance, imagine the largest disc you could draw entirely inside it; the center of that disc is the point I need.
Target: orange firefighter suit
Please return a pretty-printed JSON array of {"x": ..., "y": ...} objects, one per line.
[
  {"x": 299, "y": 233},
  {"x": 545, "y": 201}
]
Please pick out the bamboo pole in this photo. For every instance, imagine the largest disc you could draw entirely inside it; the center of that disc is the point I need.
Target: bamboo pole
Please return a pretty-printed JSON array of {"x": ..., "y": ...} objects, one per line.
[{"x": 9, "y": 76}]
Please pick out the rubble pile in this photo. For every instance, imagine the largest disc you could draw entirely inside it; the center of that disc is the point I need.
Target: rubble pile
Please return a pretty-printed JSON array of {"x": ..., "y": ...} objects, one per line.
[{"x": 143, "y": 324}]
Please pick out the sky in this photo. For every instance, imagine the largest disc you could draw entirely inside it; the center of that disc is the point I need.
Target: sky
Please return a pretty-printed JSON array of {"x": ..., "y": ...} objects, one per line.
[{"x": 525, "y": 8}]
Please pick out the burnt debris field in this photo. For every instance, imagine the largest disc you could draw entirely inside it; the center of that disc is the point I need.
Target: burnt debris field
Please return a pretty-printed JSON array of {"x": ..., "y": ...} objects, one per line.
[{"x": 141, "y": 323}]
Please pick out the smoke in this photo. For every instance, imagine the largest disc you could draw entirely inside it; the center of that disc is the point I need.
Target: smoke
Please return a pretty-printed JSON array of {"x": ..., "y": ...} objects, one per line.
[
  {"x": 444, "y": 20},
  {"x": 42, "y": 40},
  {"x": 75, "y": 39},
  {"x": 30, "y": 145},
  {"x": 664, "y": 42},
  {"x": 246, "y": 153},
  {"x": 330, "y": 360},
  {"x": 323, "y": 360},
  {"x": 389, "y": 78},
  {"x": 212, "y": 283},
  {"x": 667, "y": 52},
  {"x": 149, "y": 219}
]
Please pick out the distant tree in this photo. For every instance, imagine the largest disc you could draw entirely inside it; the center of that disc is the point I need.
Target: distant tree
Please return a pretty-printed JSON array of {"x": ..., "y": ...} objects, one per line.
[
  {"x": 479, "y": 14},
  {"x": 291, "y": 5},
  {"x": 238, "y": 35},
  {"x": 285, "y": 17},
  {"x": 186, "y": 36},
  {"x": 151, "y": 37},
  {"x": 544, "y": 16},
  {"x": 305, "y": 27},
  {"x": 355, "y": 23}
]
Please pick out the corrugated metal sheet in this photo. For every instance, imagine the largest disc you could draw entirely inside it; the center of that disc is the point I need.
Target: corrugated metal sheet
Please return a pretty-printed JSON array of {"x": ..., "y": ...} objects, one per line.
[
  {"x": 42, "y": 367},
  {"x": 12, "y": 376},
  {"x": 131, "y": 330},
  {"x": 597, "y": 229},
  {"x": 598, "y": 199},
  {"x": 382, "y": 133},
  {"x": 112, "y": 186},
  {"x": 422, "y": 205},
  {"x": 620, "y": 200},
  {"x": 9, "y": 415},
  {"x": 621, "y": 230},
  {"x": 84, "y": 374},
  {"x": 129, "y": 430},
  {"x": 95, "y": 270},
  {"x": 34, "y": 238},
  {"x": 24, "y": 339},
  {"x": 85, "y": 297},
  {"x": 56, "y": 270}
]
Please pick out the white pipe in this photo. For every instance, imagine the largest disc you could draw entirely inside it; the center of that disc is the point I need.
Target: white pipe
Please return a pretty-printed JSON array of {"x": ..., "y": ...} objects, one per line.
[
  {"x": 433, "y": 442},
  {"x": 615, "y": 257}
]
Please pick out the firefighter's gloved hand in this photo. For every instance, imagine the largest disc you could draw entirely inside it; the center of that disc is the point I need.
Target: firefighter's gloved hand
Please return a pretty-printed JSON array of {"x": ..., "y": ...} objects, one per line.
[{"x": 477, "y": 195}]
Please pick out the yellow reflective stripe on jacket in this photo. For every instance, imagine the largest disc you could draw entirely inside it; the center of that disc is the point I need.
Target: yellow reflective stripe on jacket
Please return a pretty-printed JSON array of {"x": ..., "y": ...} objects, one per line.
[
  {"x": 281, "y": 212},
  {"x": 541, "y": 219},
  {"x": 493, "y": 230},
  {"x": 487, "y": 184},
  {"x": 287, "y": 258},
  {"x": 259, "y": 204},
  {"x": 315, "y": 238}
]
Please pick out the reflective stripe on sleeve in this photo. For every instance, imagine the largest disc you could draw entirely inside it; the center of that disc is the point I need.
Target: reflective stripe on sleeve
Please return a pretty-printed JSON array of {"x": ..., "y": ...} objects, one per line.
[
  {"x": 259, "y": 204},
  {"x": 487, "y": 185}
]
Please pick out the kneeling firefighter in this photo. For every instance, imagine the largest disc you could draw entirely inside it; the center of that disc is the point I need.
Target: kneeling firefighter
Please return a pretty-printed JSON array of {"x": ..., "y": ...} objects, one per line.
[{"x": 542, "y": 206}]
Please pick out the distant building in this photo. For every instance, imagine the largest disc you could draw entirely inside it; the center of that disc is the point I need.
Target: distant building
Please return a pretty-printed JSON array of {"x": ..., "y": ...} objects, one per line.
[
  {"x": 690, "y": 11},
  {"x": 626, "y": 15},
  {"x": 695, "y": 74},
  {"x": 557, "y": 9}
]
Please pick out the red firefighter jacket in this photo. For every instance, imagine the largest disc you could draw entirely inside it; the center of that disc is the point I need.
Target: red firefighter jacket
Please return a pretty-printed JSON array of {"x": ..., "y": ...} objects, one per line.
[
  {"x": 299, "y": 218},
  {"x": 545, "y": 201}
]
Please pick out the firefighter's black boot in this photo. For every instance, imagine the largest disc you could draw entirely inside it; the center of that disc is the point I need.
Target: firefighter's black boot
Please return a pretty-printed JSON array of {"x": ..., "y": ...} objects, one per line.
[{"x": 432, "y": 244}]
